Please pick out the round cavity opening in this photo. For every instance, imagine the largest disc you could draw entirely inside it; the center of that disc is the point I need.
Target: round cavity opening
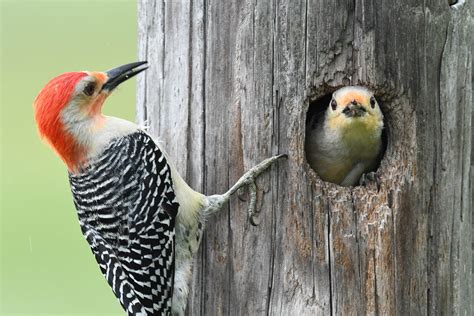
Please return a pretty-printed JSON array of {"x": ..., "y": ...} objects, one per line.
[{"x": 346, "y": 136}]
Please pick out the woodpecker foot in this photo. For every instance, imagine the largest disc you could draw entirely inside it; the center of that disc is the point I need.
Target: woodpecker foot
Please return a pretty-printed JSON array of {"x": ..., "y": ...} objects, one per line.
[
  {"x": 216, "y": 202},
  {"x": 248, "y": 179},
  {"x": 369, "y": 178}
]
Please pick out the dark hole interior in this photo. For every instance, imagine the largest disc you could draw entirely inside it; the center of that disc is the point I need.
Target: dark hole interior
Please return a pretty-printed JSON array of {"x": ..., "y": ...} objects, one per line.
[{"x": 317, "y": 109}]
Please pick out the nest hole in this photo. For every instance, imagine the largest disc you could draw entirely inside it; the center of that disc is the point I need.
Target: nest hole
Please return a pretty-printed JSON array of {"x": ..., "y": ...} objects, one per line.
[{"x": 316, "y": 113}]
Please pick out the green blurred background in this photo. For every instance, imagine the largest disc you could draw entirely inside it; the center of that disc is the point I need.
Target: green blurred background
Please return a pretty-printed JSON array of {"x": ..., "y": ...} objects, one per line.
[{"x": 47, "y": 267}]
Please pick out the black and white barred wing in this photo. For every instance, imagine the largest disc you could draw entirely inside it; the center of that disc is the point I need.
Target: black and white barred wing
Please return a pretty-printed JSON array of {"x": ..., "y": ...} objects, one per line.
[{"x": 127, "y": 207}]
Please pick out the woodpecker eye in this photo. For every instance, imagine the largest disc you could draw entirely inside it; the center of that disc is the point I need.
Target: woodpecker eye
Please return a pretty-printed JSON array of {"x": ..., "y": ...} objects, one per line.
[
  {"x": 372, "y": 102},
  {"x": 333, "y": 104},
  {"x": 89, "y": 89}
]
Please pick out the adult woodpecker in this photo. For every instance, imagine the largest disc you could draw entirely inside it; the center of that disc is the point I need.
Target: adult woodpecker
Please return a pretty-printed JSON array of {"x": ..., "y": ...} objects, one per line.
[
  {"x": 345, "y": 142},
  {"x": 142, "y": 221}
]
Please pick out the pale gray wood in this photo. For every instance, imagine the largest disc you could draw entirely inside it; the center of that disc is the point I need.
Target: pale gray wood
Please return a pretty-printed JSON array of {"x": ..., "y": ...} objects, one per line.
[
  {"x": 230, "y": 83},
  {"x": 452, "y": 258}
]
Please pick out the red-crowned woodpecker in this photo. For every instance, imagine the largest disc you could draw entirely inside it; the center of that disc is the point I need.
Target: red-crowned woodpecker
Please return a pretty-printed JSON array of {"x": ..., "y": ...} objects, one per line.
[
  {"x": 345, "y": 142},
  {"x": 142, "y": 221}
]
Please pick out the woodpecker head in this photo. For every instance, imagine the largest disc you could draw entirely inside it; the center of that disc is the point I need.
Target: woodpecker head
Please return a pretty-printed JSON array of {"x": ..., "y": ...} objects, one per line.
[
  {"x": 354, "y": 109},
  {"x": 68, "y": 109}
]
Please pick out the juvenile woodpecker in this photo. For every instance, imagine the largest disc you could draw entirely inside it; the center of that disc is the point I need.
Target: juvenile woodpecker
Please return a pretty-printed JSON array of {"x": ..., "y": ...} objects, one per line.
[
  {"x": 345, "y": 142},
  {"x": 142, "y": 221}
]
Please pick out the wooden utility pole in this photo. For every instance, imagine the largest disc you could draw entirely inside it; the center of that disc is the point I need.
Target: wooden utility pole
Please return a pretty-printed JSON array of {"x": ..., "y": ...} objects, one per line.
[{"x": 230, "y": 83}]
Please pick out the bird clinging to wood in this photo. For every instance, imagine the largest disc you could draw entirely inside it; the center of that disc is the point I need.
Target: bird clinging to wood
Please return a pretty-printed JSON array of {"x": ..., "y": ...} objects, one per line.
[
  {"x": 142, "y": 221},
  {"x": 346, "y": 142}
]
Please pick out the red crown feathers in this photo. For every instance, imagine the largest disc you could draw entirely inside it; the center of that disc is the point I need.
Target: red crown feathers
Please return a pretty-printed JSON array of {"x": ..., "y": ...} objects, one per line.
[{"x": 48, "y": 105}]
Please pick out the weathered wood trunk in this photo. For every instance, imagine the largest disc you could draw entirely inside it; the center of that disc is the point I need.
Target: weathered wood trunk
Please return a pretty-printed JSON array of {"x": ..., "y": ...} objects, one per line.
[{"x": 230, "y": 83}]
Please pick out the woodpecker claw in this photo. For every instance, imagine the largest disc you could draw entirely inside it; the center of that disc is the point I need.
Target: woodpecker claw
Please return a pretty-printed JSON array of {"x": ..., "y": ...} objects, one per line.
[
  {"x": 252, "y": 209},
  {"x": 254, "y": 221},
  {"x": 247, "y": 179},
  {"x": 241, "y": 194},
  {"x": 370, "y": 177}
]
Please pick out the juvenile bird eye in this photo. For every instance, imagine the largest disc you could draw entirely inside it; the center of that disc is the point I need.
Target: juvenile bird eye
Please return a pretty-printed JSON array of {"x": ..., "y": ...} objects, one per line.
[
  {"x": 333, "y": 104},
  {"x": 89, "y": 89},
  {"x": 372, "y": 102}
]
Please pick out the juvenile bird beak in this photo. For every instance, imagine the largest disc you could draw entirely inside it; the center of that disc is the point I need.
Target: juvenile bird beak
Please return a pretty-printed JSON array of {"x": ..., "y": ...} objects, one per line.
[
  {"x": 353, "y": 109},
  {"x": 120, "y": 74}
]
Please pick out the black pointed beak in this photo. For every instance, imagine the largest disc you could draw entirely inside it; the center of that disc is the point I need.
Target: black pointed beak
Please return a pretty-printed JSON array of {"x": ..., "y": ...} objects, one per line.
[
  {"x": 354, "y": 109},
  {"x": 120, "y": 74}
]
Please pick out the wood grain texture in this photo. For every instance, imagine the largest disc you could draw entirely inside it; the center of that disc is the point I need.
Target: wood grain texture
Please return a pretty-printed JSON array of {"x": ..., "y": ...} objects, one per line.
[{"x": 230, "y": 83}]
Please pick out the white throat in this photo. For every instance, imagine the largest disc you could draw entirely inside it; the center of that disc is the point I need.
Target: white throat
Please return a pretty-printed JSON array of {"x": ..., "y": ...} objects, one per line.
[
  {"x": 112, "y": 127},
  {"x": 95, "y": 133}
]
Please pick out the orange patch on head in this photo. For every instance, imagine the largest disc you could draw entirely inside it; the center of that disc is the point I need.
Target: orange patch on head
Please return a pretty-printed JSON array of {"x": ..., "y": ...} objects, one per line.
[
  {"x": 348, "y": 97},
  {"x": 48, "y": 105},
  {"x": 95, "y": 107},
  {"x": 99, "y": 76}
]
